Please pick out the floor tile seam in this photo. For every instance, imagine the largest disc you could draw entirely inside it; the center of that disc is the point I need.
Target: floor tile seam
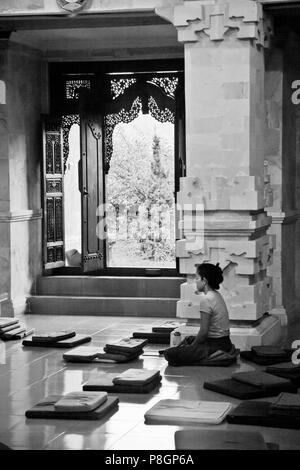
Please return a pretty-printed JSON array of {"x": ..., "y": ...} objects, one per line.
[
  {"x": 22, "y": 366},
  {"x": 64, "y": 433},
  {"x": 28, "y": 363},
  {"x": 39, "y": 381}
]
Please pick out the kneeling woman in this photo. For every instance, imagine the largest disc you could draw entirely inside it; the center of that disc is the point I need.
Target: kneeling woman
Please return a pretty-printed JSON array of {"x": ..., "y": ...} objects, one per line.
[{"x": 214, "y": 333}]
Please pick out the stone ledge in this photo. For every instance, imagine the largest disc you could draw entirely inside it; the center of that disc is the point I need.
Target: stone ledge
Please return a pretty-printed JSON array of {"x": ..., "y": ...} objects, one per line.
[
  {"x": 3, "y": 297},
  {"x": 284, "y": 217},
  {"x": 20, "y": 216}
]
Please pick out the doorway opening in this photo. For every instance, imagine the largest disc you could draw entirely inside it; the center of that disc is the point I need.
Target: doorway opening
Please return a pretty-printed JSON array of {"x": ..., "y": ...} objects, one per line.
[
  {"x": 120, "y": 151},
  {"x": 72, "y": 200},
  {"x": 140, "y": 197}
]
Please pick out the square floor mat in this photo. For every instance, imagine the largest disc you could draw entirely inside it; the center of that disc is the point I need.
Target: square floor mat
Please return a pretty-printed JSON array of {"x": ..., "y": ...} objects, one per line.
[{"x": 244, "y": 391}]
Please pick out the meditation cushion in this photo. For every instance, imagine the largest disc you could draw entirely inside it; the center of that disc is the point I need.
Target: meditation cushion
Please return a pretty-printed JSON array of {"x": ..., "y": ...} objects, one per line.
[
  {"x": 136, "y": 377},
  {"x": 53, "y": 336},
  {"x": 167, "y": 326},
  {"x": 258, "y": 413},
  {"x": 286, "y": 404},
  {"x": 126, "y": 345},
  {"x": 6, "y": 321},
  {"x": 287, "y": 370},
  {"x": 260, "y": 379},
  {"x": 46, "y": 410},
  {"x": 265, "y": 359},
  {"x": 159, "y": 337},
  {"x": 17, "y": 333},
  {"x": 105, "y": 382},
  {"x": 243, "y": 391},
  {"x": 186, "y": 412},
  {"x": 81, "y": 401},
  {"x": 225, "y": 439},
  {"x": 268, "y": 351},
  {"x": 65, "y": 343},
  {"x": 96, "y": 354}
]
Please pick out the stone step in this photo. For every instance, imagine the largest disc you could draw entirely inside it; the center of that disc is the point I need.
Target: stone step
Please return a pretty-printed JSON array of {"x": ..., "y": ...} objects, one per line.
[
  {"x": 102, "y": 306},
  {"x": 110, "y": 286}
]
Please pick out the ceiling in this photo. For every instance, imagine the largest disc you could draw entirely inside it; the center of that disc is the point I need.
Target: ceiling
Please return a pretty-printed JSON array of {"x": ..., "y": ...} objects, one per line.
[{"x": 88, "y": 35}]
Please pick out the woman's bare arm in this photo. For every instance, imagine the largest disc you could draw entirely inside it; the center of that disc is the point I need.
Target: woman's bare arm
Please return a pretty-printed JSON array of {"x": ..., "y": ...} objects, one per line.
[{"x": 204, "y": 326}]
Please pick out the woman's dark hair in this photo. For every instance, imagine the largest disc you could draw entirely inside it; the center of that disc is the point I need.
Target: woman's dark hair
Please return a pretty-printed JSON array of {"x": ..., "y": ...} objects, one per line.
[{"x": 212, "y": 273}]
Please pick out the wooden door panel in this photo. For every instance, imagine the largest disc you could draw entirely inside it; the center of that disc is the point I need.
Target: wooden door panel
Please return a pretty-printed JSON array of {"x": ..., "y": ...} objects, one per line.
[
  {"x": 53, "y": 194},
  {"x": 93, "y": 246}
]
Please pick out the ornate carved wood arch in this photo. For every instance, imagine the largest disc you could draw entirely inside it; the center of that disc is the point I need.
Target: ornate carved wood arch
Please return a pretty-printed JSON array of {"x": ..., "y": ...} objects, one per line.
[{"x": 129, "y": 96}]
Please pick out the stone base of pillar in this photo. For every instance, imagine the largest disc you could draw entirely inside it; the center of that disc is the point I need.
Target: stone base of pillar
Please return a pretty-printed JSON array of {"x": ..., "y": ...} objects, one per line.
[
  {"x": 280, "y": 312},
  {"x": 268, "y": 332},
  {"x": 6, "y": 306},
  {"x": 20, "y": 307},
  {"x": 12, "y": 308}
]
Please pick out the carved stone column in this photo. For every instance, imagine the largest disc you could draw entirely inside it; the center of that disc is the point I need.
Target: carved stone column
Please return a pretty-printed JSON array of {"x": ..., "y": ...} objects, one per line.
[
  {"x": 282, "y": 155},
  {"x": 20, "y": 213},
  {"x": 4, "y": 183},
  {"x": 224, "y": 188}
]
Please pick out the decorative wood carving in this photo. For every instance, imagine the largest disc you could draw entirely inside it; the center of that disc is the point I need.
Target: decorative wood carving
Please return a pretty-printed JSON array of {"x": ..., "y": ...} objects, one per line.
[
  {"x": 53, "y": 194},
  {"x": 96, "y": 129},
  {"x": 73, "y": 87},
  {"x": 154, "y": 95}
]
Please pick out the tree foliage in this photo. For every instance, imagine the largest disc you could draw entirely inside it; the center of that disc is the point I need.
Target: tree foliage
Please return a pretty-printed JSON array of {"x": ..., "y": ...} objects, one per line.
[{"x": 140, "y": 189}]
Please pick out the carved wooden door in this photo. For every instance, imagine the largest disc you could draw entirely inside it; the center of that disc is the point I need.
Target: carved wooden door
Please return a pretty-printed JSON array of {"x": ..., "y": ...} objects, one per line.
[
  {"x": 53, "y": 194},
  {"x": 91, "y": 184}
]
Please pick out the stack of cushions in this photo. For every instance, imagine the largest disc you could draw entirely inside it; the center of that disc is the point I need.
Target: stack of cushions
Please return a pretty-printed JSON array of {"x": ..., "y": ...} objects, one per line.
[
  {"x": 130, "y": 381},
  {"x": 4, "y": 447},
  {"x": 157, "y": 337},
  {"x": 286, "y": 404},
  {"x": 158, "y": 334},
  {"x": 282, "y": 412},
  {"x": 219, "y": 439},
  {"x": 288, "y": 370},
  {"x": 266, "y": 355},
  {"x": 95, "y": 354},
  {"x": 11, "y": 329},
  {"x": 57, "y": 339},
  {"x": 131, "y": 348},
  {"x": 187, "y": 412},
  {"x": 247, "y": 385},
  {"x": 74, "y": 405}
]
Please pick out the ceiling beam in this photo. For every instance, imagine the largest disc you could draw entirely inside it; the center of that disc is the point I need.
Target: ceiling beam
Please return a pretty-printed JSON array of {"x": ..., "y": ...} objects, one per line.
[{"x": 105, "y": 20}]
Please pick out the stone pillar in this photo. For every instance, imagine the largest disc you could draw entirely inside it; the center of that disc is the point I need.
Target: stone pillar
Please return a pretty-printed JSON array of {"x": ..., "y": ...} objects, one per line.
[
  {"x": 6, "y": 309},
  {"x": 281, "y": 151},
  {"x": 224, "y": 45},
  {"x": 20, "y": 206}
]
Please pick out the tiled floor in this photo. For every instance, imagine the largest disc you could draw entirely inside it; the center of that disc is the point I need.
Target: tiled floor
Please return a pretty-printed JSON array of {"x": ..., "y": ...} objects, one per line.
[{"x": 27, "y": 375}]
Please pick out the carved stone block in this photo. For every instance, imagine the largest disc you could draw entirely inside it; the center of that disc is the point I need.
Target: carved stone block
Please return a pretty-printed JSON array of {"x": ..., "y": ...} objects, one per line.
[
  {"x": 217, "y": 19},
  {"x": 221, "y": 193}
]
